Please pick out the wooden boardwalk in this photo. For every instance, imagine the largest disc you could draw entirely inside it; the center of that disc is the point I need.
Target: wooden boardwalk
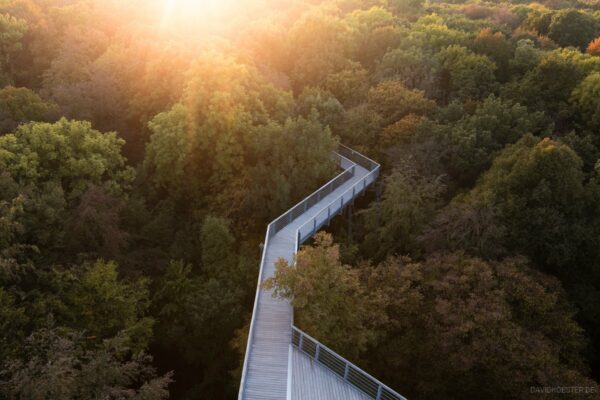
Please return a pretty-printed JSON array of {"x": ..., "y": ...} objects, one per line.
[
  {"x": 267, "y": 364},
  {"x": 311, "y": 380},
  {"x": 281, "y": 361}
]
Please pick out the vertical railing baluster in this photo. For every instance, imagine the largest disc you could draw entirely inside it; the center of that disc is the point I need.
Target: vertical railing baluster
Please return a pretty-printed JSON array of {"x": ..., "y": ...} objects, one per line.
[
  {"x": 346, "y": 370},
  {"x": 317, "y": 351},
  {"x": 379, "y": 390}
]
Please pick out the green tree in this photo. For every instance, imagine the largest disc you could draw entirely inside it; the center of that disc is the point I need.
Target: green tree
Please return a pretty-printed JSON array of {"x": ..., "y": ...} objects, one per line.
[
  {"x": 205, "y": 141},
  {"x": 53, "y": 165},
  {"x": 497, "y": 48},
  {"x": 547, "y": 87},
  {"x": 103, "y": 305},
  {"x": 476, "y": 139},
  {"x": 374, "y": 33},
  {"x": 349, "y": 85},
  {"x": 12, "y": 325},
  {"x": 573, "y": 28},
  {"x": 288, "y": 162},
  {"x": 12, "y": 31},
  {"x": 526, "y": 57},
  {"x": 586, "y": 100},
  {"x": 408, "y": 203},
  {"x": 218, "y": 255},
  {"x": 69, "y": 367},
  {"x": 325, "y": 43},
  {"x": 431, "y": 34},
  {"x": 196, "y": 319},
  {"x": 463, "y": 74},
  {"x": 20, "y": 105},
  {"x": 409, "y": 66},
  {"x": 538, "y": 186}
]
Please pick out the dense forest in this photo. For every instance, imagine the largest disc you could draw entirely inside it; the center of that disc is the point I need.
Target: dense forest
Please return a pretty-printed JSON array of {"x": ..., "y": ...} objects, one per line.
[{"x": 145, "y": 146}]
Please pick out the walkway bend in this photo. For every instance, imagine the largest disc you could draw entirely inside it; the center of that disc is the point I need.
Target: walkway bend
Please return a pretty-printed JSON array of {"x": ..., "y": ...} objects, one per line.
[{"x": 271, "y": 353}]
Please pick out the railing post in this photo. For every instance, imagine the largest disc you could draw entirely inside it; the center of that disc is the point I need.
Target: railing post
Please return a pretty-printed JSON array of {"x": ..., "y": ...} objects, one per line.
[
  {"x": 379, "y": 390},
  {"x": 314, "y": 225},
  {"x": 298, "y": 238},
  {"x": 300, "y": 340},
  {"x": 346, "y": 370},
  {"x": 328, "y": 214},
  {"x": 317, "y": 351}
]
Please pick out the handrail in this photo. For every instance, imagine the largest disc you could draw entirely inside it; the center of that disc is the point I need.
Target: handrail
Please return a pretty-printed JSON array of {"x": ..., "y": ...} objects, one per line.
[
  {"x": 273, "y": 228},
  {"x": 287, "y": 217},
  {"x": 350, "y": 373},
  {"x": 348, "y": 160},
  {"x": 316, "y": 225},
  {"x": 346, "y": 370}
]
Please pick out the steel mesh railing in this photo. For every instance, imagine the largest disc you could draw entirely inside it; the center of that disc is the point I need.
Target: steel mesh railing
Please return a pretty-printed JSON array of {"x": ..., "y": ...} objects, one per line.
[
  {"x": 343, "y": 368},
  {"x": 347, "y": 159}
]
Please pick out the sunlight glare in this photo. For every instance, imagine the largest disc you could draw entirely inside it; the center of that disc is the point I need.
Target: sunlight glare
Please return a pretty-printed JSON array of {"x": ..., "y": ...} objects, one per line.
[{"x": 198, "y": 11}]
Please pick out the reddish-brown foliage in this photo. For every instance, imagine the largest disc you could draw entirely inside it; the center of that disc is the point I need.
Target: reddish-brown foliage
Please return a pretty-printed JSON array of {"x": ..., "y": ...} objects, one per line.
[{"x": 594, "y": 47}]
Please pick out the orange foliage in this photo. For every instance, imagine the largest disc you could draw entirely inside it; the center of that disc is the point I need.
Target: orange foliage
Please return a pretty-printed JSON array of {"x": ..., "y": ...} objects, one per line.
[{"x": 594, "y": 47}]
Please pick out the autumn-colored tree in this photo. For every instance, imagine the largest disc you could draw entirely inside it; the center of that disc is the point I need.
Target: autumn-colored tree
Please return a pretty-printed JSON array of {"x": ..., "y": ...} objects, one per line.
[
  {"x": 459, "y": 327},
  {"x": 497, "y": 48},
  {"x": 392, "y": 100},
  {"x": 327, "y": 295},
  {"x": 594, "y": 47},
  {"x": 325, "y": 43}
]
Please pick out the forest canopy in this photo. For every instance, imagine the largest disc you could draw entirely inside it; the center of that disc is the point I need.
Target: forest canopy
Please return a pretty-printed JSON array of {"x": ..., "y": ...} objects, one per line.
[{"x": 146, "y": 145}]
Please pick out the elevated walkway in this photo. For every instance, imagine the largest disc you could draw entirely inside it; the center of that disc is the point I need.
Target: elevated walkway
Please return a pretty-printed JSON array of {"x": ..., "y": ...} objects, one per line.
[{"x": 268, "y": 371}]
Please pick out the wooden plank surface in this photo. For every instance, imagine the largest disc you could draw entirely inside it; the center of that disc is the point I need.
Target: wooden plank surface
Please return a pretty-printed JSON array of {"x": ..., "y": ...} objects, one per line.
[
  {"x": 312, "y": 381},
  {"x": 267, "y": 368}
]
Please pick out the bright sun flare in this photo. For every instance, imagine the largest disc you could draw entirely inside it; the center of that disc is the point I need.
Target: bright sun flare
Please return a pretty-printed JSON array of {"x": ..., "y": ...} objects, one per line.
[{"x": 202, "y": 11}]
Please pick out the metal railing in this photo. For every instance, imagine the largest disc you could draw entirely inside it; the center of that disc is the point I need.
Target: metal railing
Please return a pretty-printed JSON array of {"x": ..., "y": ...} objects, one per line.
[
  {"x": 335, "y": 207},
  {"x": 278, "y": 224},
  {"x": 347, "y": 371},
  {"x": 343, "y": 368},
  {"x": 348, "y": 159},
  {"x": 286, "y": 218}
]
